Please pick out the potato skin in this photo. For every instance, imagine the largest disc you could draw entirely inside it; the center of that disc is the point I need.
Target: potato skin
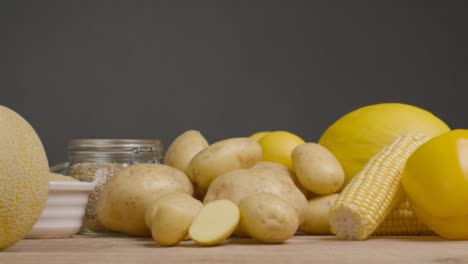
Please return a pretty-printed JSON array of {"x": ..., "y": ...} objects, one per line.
[
  {"x": 268, "y": 218},
  {"x": 281, "y": 169},
  {"x": 170, "y": 225},
  {"x": 263, "y": 177},
  {"x": 316, "y": 221},
  {"x": 186, "y": 203},
  {"x": 124, "y": 199},
  {"x": 174, "y": 214},
  {"x": 221, "y": 157},
  {"x": 317, "y": 168},
  {"x": 184, "y": 148}
]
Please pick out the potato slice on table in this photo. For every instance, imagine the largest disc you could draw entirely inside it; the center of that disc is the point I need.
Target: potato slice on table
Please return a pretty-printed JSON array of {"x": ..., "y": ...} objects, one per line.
[
  {"x": 215, "y": 222},
  {"x": 171, "y": 216},
  {"x": 170, "y": 225},
  {"x": 182, "y": 200}
]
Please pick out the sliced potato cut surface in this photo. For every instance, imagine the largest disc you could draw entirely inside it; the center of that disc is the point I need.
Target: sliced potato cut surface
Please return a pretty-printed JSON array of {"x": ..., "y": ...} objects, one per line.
[{"x": 215, "y": 222}]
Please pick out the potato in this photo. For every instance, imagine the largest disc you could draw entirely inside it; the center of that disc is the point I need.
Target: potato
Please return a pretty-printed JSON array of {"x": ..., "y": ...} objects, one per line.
[
  {"x": 263, "y": 177},
  {"x": 184, "y": 148},
  {"x": 186, "y": 202},
  {"x": 278, "y": 168},
  {"x": 172, "y": 220},
  {"x": 316, "y": 222},
  {"x": 221, "y": 157},
  {"x": 215, "y": 222},
  {"x": 125, "y": 197},
  {"x": 308, "y": 194},
  {"x": 170, "y": 225},
  {"x": 268, "y": 218},
  {"x": 317, "y": 169}
]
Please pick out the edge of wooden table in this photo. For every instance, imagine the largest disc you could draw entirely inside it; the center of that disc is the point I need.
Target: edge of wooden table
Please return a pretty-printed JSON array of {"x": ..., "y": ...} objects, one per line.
[{"x": 299, "y": 249}]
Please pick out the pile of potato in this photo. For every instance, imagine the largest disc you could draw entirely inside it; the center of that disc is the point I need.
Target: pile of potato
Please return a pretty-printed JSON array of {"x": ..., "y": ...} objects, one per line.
[{"x": 207, "y": 192}]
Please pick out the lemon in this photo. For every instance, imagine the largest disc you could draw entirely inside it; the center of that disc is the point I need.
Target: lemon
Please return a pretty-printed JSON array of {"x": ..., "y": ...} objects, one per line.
[
  {"x": 277, "y": 147},
  {"x": 257, "y": 136},
  {"x": 359, "y": 135}
]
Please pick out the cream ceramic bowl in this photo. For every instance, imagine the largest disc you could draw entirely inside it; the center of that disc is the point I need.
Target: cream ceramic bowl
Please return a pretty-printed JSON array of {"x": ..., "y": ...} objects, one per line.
[{"x": 64, "y": 210}]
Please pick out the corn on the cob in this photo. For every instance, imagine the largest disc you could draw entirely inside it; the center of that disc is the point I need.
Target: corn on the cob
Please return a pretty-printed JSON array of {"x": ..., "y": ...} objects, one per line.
[
  {"x": 374, "y": 191},
  {"x": 401, "y": 221}
]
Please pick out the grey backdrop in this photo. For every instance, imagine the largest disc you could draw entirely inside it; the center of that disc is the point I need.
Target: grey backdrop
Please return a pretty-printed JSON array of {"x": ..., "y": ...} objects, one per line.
[{"x": 153, "y": 69}]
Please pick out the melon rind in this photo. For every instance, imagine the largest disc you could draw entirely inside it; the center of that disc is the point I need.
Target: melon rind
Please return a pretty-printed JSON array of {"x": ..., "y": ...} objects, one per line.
[
  {"x": 359, "y": 135},
  {"x": 23, "y": 177}
]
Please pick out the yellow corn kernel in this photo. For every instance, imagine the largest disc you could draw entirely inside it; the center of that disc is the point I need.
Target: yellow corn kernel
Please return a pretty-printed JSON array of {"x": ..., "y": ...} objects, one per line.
[
  {"x": 401, "y": 221},
  {"x": 374, "y": 191}
]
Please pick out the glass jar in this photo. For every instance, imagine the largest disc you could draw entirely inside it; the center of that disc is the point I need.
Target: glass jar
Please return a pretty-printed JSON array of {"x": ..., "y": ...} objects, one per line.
[{"x": 98, "y": 160}]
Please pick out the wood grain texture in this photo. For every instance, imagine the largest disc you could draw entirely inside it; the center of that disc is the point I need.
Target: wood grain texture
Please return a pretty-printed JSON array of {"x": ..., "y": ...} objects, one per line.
[{"x": 299, "y": 249}]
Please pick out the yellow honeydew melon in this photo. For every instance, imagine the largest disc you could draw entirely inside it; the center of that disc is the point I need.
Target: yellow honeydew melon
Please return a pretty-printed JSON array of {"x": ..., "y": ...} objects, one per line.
[
  {"x": 359, "y": 135},
  {"x": 24, "y": 182}
]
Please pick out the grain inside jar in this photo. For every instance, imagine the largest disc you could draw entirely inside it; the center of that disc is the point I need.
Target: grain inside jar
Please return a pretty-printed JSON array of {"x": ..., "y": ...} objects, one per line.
[{"x": 99, "y": 173}]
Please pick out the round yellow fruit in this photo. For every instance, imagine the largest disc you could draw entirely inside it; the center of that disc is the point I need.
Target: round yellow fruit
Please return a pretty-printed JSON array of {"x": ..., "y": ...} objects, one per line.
[
  {"x": 24, "y": 181},
  {"x": 359, "y": 135},
  {"x": 436, "y": 175},
  {"x": 435, "y": 179},
  {"x": 277, "y": 147},
  {"x": 452, "y": 227},
  {"x": 257, "y": 136}
]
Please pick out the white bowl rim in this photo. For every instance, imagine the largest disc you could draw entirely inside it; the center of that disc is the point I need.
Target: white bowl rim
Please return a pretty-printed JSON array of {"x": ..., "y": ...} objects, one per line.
[{"x": 71, "y": 186}]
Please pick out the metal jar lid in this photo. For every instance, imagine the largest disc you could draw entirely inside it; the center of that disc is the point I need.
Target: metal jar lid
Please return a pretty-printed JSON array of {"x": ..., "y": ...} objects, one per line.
[{"x": 79, "y": 149}]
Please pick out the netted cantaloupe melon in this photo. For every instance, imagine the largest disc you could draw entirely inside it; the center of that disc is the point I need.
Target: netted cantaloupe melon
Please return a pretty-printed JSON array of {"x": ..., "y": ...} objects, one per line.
[{"x": 24, "y": 180}]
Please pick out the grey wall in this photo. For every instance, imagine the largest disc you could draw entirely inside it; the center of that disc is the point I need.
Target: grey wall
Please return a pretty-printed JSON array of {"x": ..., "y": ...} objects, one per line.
[{"x": 153, "y": 69}]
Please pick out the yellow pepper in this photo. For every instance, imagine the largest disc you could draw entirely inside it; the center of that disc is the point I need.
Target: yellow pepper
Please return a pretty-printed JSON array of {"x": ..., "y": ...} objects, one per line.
[{"x": 436, "y": 181}]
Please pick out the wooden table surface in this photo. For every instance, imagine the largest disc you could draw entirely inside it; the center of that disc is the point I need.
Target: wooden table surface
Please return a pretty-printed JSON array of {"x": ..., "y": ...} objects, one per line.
[{"x": 299, "y": 249}]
